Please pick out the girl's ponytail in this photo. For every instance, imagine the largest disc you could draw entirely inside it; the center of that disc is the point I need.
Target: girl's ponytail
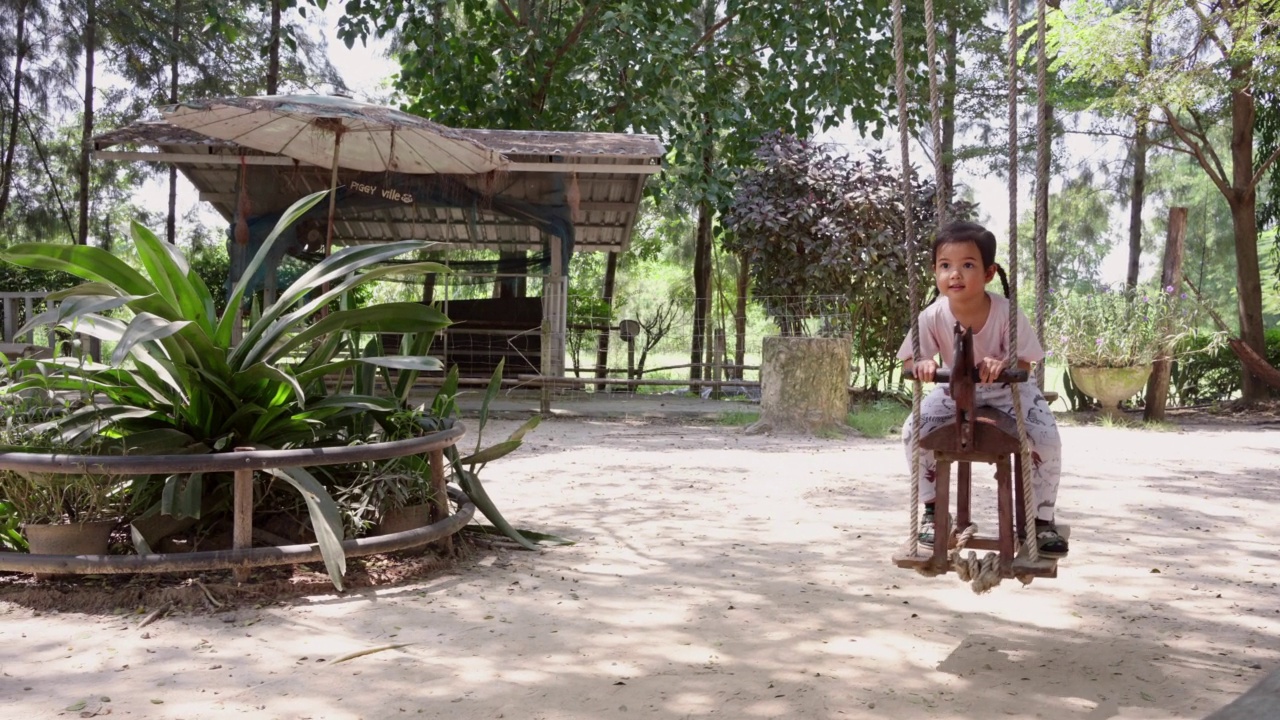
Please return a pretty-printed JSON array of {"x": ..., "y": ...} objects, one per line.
[{"x": 1004, "y": 279}]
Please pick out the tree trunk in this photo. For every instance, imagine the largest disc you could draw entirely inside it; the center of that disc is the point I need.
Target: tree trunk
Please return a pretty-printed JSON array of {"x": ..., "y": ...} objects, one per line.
[
  {"x": 702, "y": 266},
  {"x": 740, "y": 317},
  {"x": 11, "y": 145},
  {"x": 1170, "y": 277},
  {"x": 803, "y": 385},
  {"x": 171, "y": 220},
  {"x": 1141, "y": 144},
  {"x": 946, "y": 164},
  {"x": 602, "y": 342},
  {"x": 1137, "y": 195},
  {"x": 1244, "y": 219},
  {"x": 273, "y": 50},
  {"x": 86, "y": 134}
]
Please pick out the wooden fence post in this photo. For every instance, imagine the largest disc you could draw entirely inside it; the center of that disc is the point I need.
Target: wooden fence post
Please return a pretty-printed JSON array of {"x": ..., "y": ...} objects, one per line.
[{"x": 1170, "y": 276}]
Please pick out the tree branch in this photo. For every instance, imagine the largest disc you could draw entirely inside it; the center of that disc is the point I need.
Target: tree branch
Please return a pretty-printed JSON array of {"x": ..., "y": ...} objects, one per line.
[
  {"x": 1206, "y": 25},
  {"x": 711, "y": 32},
  {"x": 511, "y": 14},
  {"x": 570, "y": 40},
  {"x": 1203, "y": 134},
  {"x": 1262, "y": 169},
  {"x": 1197, "y": 151}
]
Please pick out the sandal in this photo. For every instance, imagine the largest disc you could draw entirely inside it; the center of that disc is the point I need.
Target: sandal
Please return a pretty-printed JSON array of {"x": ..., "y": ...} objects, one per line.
[{"x": 1051, "y": 544}]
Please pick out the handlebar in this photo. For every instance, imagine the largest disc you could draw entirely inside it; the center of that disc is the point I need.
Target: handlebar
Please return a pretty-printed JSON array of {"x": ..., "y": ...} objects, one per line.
[{"x": 943, "y": 375}]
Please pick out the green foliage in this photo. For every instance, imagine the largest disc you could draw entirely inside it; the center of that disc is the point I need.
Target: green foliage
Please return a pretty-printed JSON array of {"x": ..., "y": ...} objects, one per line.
[
  {"x": 707, "y": 77},
  {"x": 1080, "y": 234},
  {"x": 588, "y": 312},
  {"x": 1114, "y": 328},
  {"x": 1209, "y": 258},
  {"x": 177, "y": 372},
  {"x": 28, "y": 424},
  {"x": 466, "y": 470},
  {"x": 1196, "y": 51},
  {"x": 1207, "y": 371},
  {"x": 11, "y": 539},
  {"x": 1197, "y": 67}
]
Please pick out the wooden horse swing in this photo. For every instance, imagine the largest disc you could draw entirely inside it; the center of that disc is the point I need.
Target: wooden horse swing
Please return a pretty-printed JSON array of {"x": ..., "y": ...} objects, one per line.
[
  {"x": 978, "y": 434},
  {"x": 982, "y": 435}
]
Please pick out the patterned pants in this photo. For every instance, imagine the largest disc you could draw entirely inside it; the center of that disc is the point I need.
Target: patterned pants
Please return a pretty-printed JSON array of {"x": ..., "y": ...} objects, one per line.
[{"x": 938, "y": 409}]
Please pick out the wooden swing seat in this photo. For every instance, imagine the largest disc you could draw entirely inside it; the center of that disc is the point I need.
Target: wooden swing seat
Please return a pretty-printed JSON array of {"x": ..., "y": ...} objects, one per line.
[{"x": 978, "y": 435}]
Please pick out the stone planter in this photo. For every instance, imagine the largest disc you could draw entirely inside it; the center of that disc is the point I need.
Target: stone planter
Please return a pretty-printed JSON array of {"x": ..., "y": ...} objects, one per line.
[{"x": 1110, "y": 386}]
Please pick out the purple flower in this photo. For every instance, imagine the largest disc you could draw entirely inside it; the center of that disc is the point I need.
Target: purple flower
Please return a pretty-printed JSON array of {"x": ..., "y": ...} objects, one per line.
[
  {"x": 1099, "y": 342},
  {"x": 1168, "y": 288}
]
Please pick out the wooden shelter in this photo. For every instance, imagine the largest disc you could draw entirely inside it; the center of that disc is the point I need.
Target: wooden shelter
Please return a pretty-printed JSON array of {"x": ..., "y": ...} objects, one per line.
[{"x": 562, "y": 192}]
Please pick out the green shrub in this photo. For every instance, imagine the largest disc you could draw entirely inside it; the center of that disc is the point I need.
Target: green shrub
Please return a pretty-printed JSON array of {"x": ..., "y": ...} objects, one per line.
[{"x": 1204, "y": 376}]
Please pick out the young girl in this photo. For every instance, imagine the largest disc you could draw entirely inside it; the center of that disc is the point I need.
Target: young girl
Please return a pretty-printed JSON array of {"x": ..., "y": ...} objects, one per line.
[{"x": 964, "y": 261}]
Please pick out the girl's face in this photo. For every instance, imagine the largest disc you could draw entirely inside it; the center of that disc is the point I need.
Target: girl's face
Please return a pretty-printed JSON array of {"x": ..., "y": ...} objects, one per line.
[{"x": 958, "y": 270}]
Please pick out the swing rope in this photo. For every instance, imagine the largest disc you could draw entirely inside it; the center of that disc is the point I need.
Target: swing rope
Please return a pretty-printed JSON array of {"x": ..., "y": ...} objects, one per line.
[
  {"x": 983, "y": 574},
  {"x": 1030, "y": 546},
  {"x": 899, "y": 55}
]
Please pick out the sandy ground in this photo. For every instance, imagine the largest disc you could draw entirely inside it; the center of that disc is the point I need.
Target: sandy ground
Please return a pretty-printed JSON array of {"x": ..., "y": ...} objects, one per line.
[{"x": 723, "y": 575}]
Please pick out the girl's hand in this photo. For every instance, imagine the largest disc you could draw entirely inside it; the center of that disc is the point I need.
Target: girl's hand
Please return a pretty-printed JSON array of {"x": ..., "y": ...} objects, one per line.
[
  {"x": 990, "y": 368},
  {"x": 925, "y": 370}
]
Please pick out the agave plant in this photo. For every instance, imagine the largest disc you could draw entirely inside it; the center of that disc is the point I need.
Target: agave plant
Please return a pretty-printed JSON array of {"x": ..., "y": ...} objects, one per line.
[{"x": 177, "y": 372}]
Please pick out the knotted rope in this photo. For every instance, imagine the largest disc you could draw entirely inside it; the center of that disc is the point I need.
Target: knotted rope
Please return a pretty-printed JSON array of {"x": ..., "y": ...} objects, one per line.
[{"x": 981, "y": 574}]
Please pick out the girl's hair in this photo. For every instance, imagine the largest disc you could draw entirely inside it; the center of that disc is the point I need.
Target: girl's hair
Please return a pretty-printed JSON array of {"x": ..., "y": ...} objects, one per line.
[{"x": 963, "y": 231}]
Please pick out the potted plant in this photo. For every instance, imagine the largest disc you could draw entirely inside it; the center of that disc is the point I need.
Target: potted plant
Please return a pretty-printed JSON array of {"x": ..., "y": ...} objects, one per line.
[
  {"x": 57, "y": 513},
  {"x": 1109, "y": 338},
  {"x": 179, "y": 378}
]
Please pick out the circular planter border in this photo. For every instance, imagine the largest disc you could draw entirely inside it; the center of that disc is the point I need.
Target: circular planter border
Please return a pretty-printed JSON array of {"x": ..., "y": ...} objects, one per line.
[{"x": 235, "y": 461}]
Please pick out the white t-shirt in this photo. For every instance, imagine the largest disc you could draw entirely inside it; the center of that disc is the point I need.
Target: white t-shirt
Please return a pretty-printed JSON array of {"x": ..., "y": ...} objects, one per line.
[{"x": 938, "y": 338}]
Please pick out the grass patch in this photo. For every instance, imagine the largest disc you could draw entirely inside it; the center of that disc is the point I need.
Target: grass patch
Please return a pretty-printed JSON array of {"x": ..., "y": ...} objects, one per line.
[
  {"x": 878, "y": 419},
  {"x": 737, "y": 418},
  {"x": 1136, "y": 422}
]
